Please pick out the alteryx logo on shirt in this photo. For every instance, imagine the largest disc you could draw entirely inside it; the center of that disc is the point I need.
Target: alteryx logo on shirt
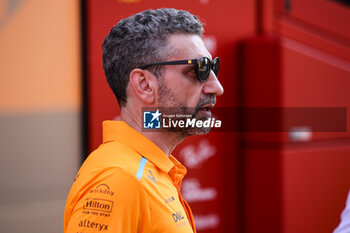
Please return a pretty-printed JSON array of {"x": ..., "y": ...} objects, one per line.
[{"x": 151, "y": 119}]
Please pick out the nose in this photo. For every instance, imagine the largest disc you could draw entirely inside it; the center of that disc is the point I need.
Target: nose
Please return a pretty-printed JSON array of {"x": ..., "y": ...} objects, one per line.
[{"x": 212, "y": 85}]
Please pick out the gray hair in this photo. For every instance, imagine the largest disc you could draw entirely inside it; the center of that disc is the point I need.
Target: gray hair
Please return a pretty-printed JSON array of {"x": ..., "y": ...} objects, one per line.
[{"x": 142, "y": 39}]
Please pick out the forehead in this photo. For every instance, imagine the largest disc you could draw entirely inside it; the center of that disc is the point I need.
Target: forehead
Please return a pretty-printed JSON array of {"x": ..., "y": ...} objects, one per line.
[{"x": 187, "y": 46}]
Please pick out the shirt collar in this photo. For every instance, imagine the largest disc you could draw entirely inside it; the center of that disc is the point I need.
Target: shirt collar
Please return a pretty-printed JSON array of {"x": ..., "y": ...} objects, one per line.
[{"x": 121, "y": 132}]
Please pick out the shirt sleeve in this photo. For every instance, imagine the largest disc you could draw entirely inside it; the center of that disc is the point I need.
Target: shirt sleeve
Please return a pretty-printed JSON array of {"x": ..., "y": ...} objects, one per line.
[
  {"x": 115, "y": 203},
  {"x": 344, "y": 225}
]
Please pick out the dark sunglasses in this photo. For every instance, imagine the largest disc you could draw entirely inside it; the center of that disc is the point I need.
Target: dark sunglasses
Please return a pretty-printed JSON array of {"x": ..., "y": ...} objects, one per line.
[{"x": 202, "y": 66}]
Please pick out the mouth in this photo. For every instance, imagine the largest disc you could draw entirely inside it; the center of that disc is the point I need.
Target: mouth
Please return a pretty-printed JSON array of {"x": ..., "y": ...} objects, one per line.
[
  {"x": 204, "y": 111},
  {"x": 206, "y": 107}
]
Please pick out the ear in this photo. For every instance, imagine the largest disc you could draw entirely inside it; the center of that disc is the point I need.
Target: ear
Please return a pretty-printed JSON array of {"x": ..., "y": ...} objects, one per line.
[{"x": 143, "y": 83}]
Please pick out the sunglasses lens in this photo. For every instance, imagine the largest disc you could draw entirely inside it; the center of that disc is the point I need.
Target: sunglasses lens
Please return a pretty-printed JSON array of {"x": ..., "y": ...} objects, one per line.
[
  {"x": 216, "y": 66},
  {"x": 203, "y": 69}
]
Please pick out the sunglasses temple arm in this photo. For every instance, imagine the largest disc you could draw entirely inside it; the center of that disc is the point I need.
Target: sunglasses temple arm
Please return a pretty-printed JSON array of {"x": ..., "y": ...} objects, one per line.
[{"x": 179, "y": 62}]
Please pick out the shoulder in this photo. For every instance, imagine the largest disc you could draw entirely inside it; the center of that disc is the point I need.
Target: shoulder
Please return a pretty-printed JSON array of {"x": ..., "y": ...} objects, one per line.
[
  {"x": 115, "y": 198},
  {"x": 116, "y": 183},
  {"x": 112, "y": 155},
  {"x": 104, "y": 189},
  {"x": 112, "y": 168}
]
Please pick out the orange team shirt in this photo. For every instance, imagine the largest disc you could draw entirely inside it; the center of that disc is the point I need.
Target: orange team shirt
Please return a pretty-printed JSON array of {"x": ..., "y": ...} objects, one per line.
[{"x": 128, "y": 185}]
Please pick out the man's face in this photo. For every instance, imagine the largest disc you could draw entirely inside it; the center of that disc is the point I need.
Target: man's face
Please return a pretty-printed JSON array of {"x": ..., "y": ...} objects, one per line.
[{"x": 179, "y": 87}]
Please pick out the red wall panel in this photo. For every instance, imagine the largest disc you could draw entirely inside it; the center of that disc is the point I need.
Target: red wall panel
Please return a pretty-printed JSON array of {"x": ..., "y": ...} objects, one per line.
[
  {"x": 315, "y": 186},
  {"x": 296, "y": 185}
]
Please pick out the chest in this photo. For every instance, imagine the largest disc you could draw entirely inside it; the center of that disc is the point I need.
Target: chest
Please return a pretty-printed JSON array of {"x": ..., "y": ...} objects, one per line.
[{"x": 169, "y": 212}]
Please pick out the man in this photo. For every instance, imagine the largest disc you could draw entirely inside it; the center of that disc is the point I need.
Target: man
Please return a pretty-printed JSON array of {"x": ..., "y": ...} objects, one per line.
[{"x": 131, "y": 183}]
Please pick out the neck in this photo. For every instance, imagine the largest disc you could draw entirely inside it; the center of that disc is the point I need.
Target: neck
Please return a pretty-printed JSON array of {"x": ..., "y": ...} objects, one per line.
[{"x": 166, "y": 141}]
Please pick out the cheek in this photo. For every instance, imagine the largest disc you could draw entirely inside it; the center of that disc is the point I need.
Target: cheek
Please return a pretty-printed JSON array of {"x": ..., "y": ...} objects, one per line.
[
  {"x": 189, "y": 92},
  {"x": 183, "y": 89},
  {"x": 191, "y": 96}
]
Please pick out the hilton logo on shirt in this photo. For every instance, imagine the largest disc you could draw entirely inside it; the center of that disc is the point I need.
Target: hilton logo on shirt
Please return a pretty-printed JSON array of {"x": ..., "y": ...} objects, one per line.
[
  {"x": 151, "y": 119},
  {"x": 98, "y": 205}
]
